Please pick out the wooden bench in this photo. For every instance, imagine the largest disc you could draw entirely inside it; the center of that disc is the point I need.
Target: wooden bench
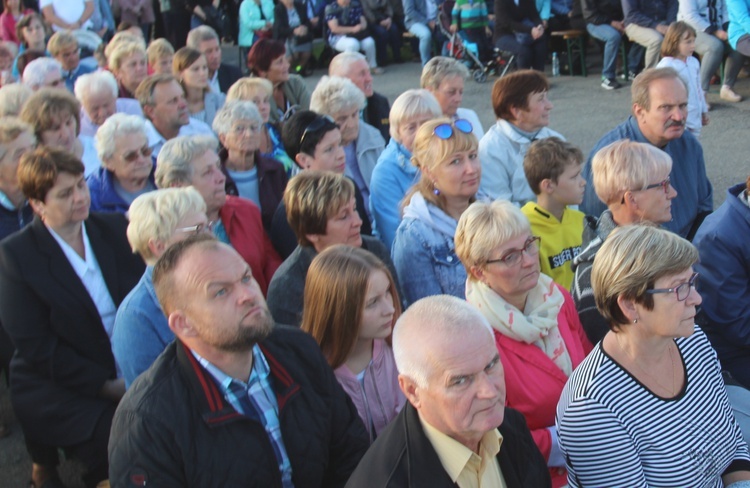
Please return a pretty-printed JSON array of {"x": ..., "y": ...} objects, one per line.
[{"x": 575, "y": 43}]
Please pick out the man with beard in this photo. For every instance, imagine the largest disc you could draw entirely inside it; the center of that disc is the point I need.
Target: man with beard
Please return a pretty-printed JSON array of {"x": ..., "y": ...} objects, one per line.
[
  {"x": 235, "y": 400},
  {"x": 659, "y": 113}
]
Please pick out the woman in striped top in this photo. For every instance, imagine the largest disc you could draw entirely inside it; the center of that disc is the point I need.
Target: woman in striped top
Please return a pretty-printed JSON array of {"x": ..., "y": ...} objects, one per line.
[{"x": 648, "y": 406}]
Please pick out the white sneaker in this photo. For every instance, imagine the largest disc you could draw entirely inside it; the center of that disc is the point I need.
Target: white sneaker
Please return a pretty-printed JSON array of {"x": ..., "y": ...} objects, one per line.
[{"x": 729, "y": 95}]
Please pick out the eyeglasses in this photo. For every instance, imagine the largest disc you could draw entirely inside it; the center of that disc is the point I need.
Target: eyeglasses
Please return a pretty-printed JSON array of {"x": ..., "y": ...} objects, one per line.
[
  {"x": 131, "y": 156},
  {"x": 318, "y": 123},
  {"x": 664, "y": 184},
  {"x": 513, "y": 258},
  {"x": 445, "y": 131},
  {"x": 198, "y": 229},
  {"x": 682, "y": 290},
  {"x": 56, "y": 83},
  {"x": 240, "y": 129}
]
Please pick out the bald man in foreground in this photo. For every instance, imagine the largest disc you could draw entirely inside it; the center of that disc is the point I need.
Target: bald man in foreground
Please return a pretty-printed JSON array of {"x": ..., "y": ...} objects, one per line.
[{"x": 455, "y": 428}]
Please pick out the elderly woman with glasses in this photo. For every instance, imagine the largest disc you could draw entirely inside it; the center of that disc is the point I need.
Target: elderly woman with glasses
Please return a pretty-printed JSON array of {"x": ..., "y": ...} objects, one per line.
[
  {"x": 249, "y": 174},
  {"x": 157, "y": 220},
  {"x": 534, "y": 320},
  {"x": 193, "y": 161},
  {"x": 127, "y": 170},
  {"x": 445, "y": 151},
  {"x": 648, "y": 406},
  {"x": 55, "y": 116},
  {"x": 632, "y": 179}
]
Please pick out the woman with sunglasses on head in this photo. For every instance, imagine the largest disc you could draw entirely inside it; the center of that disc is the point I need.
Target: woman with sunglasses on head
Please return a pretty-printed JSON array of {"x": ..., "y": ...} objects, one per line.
[
  {"x": 648, "y": 406},
  {"x": 157, "y": 220},
  {"x": 534, "y": 320},
  {"x": 127, "y": 169},
  {"x": 632, "y": 179},
  {"x": 445, "y": 151}
]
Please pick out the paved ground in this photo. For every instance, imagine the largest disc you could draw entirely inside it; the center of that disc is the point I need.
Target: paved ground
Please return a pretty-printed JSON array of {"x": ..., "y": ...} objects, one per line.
[{"x": 583, "y": 113}]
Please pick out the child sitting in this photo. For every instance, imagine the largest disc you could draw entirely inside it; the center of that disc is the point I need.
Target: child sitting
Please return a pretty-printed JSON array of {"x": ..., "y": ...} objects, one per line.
[
  {"x": 553, "y": 170},
  {"x": 677, "y": 53},
  {"x": 470, "y": 17}
]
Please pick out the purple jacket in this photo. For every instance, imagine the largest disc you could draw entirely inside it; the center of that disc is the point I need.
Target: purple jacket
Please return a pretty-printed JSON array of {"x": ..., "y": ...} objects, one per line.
[{"x": 381, "y": 392}]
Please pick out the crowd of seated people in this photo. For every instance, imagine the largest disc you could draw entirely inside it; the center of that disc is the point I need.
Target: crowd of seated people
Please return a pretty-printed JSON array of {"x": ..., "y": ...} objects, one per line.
[{"x": 192, "y": 260}]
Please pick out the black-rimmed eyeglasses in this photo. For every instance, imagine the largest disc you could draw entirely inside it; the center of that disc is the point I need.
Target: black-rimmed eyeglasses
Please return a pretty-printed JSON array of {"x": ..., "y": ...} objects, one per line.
[
  {"x": 682, "y": 290},
  {"x": 664, "y": 184}
]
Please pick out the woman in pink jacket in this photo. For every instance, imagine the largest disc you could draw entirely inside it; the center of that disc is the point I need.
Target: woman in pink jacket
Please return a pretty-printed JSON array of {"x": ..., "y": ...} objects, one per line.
[
  {"x": 351, "y": 304},
  {"x": 537, "y": 330}
]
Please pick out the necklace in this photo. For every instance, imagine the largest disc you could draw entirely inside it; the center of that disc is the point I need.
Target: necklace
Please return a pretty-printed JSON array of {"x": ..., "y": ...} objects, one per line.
[{"x": 671, "y": 390}]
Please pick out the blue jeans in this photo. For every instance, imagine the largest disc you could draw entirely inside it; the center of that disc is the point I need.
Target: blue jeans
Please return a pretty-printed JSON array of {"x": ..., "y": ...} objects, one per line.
[
  {"x": 531, "y": 56},
  {"x": 611, "y": 39},
  {"x": 424, "y": 35}
]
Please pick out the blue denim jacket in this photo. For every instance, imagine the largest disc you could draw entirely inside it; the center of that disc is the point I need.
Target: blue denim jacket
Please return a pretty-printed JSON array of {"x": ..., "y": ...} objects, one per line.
[
  {"x": 141, "y": 330},
  {"x": 424, "y": 253},
  {"x": 391, "y": 179}
]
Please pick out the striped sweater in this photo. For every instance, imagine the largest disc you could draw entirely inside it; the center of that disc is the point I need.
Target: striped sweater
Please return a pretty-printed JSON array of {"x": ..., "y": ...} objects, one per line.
[
  {"x": 469, "y": 14},
  {"x": 615, "y": 432}
]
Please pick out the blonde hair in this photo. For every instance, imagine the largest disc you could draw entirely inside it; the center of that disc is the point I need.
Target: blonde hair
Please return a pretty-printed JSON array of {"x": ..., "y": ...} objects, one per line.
[
  {"x": 430, "y": 151},
  {"x": 158, "y": 49},
  {"x": 122, "y": 38},
  {"x": 483, "y": 227},
  {"x": 10, "y": 129},
  {"x": 438, "y": 69},
  {"x": 626, "y": 165},
  {"x": 410, "y": 104},
  {"x": 12, "y": 98},
  {"x": 122, "y": 51},
  {"x": 155, "y": 215},
  {"x": 244, "y": 88},
  {"x": 630, "y": 261},
  {"x": 59, "y": 41}
]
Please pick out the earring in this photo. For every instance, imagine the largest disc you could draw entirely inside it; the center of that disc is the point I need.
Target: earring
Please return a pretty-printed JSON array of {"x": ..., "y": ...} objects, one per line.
[
  {"x": 434, "y": 189},
  {"x": 635, "y": 321}
]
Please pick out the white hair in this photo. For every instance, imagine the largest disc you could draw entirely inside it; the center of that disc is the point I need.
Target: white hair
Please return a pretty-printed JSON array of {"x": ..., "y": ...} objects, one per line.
[
  {"x": 113, "y": 128},
  {"x": 334, "y": 94},
  {"x": 340, "y": 63},
  {"x": 410, "y": 104},
  {"x": 440, "y": 316},
  {"x": 200, "y": 34},
  {"x": 174, "y": 165},
  {"x": 12, "y": 98},
  {"x": 233, "y": 111},
  {"x": 95, "y": 83},
  {"x": 35, "y": 73}
]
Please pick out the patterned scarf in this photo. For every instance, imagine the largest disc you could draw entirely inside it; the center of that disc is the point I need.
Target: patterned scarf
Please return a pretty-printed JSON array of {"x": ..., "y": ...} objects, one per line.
[{"x": 537, "y": 324}]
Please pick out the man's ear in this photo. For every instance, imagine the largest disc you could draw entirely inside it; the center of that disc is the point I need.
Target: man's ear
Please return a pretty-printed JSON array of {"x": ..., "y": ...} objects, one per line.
[
  {"x": 148, "y": 111},
  {"x": 410, "y": 389},
  {"x": 638, "y": 111},
  {"x": 179, "y": 325}
]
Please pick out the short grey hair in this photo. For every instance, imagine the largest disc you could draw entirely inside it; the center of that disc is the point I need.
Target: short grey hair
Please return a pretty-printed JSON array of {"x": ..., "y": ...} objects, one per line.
[
  {"x": 174, "y": 165},
  {"x": 200, "y": 34},
  {"x": 439, "y": 68},
  {"x": 626, "y": 165},
  {"x": 443, "y": 316},
  {"x": 340, "y": 63},
  {"x": 410, "y": 104},
  {"x": 94, "y": 83},
  {"x": 155, "y": 215},
  {"x": 231, "y": 112},
  {"x": 334, "y": 94},
  {"x": 112, "y": 129},
  {"x": 12, "y": 98},
  {"x": 36, "y": 71}
]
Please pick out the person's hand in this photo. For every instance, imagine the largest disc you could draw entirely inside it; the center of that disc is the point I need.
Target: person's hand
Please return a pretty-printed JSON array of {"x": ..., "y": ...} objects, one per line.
[
  {"x": 491, "y": 17},
  {"x": 618, "y": 25},
  {"x": 662, "y": 29},
  {"x": 386, "y": 23},
  {"x": 705, "y": 119},
  {"x": 431, "y": 24},
  {"x": 537, "y": 32},
  {"x": 454, "y": 28},
  {"x": 721, "y": 35},
  {"x": 314, "y": 21},
  {"x": 113, "y": 389}
]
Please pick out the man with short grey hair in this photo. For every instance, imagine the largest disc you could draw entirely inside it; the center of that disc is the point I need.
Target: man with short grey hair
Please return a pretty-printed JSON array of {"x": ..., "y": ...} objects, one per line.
[
  {"x": 221, "y": 76},
  {"x": 43, "y": 73},
  {"x": 455, "y": 429},
  {"x": 353, "y": 65}
]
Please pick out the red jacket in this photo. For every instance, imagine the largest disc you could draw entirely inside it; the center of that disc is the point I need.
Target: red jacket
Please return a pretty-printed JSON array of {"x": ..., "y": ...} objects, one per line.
[
  {"x": 534, "y": 383},
  {"x": 8, "y": 26},
  {"x": 241, "y": 219}
]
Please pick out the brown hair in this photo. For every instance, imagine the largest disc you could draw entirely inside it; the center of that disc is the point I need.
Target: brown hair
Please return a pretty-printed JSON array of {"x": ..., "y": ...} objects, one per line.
[
  {"x": 547, "y": 159},
  {"x": 38, "y": 170},
  {"x": 639, "y": 90},
  {"x": 311, "y": 198},
  {"x": 44, "y": 109},
  {"x": 25, "y": 22},
  {"x": 182, "y": 60},
  {"x": 670, "y": 46},
  {"x": 335, "y": 293},
  {"x": 513, "y": 90},
  {"x": 145, "y": 91}
]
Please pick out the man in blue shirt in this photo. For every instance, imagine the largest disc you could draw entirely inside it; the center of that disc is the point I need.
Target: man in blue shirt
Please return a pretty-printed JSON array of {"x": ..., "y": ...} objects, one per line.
[
  {"x": 659, "y": 114},
  {"x": 63, "y": 46},
  {"x": 235, "y": 400}
]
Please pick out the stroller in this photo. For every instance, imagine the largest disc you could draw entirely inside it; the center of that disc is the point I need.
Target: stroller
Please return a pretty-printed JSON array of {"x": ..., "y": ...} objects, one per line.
[{"x": 461, "y": 48}]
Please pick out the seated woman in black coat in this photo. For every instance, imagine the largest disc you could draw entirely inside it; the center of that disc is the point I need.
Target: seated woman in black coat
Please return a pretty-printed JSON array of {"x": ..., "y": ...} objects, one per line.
[
  {"x": 292, "y": 27},
  {"x": 62, "y": 278}
]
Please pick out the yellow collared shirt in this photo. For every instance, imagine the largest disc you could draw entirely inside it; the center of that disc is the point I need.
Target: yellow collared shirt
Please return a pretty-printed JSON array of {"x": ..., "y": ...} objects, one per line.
[{"x": 465, "y": 467}]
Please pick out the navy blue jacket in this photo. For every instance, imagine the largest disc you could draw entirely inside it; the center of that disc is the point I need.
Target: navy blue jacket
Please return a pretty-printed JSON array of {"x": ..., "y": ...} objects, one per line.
[
  {"x": 104, "y": 198},
  {"x": 649, "y": 13}
]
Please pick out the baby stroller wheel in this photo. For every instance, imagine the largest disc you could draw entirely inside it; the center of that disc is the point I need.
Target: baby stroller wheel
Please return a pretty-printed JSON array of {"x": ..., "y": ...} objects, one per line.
[{"x": 480, "y": 76}]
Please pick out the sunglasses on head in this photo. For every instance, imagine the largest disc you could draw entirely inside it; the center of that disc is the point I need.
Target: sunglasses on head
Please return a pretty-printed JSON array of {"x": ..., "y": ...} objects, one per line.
[
  {"x": 318, "y": 123},
  {"x": 445, "y": 131}
]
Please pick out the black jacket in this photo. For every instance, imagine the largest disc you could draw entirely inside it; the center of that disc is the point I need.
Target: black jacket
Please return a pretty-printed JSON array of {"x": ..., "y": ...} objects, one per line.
[
  {"x": 228, "y": 74},
  {"x": 63, "y": 354},
  {"x": 377, "y": 114},
  {"x": 281, "y": 29},
  {"x": 509, "y": 17},
  {"x": 403, "y": 457},
  {"x": 174, "y": 429},
  {"x": 600, "y": 12}
]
